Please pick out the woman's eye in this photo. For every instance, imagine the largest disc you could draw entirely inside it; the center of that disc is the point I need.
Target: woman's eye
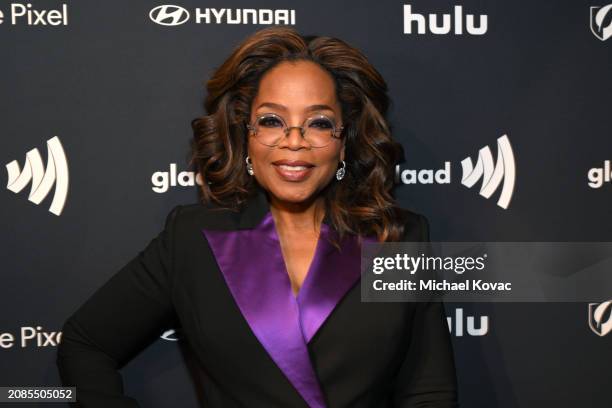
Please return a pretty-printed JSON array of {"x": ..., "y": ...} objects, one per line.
[
  {"x": 321, "y": 124},
  {"x": 270, "y": 122}
]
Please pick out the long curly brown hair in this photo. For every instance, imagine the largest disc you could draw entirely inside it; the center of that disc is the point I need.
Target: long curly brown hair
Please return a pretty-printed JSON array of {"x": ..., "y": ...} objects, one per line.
[{"x": 362, "y": 203}]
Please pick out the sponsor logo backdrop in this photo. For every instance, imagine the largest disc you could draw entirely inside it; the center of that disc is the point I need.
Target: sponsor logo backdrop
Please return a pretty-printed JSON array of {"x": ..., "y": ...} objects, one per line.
[{"x": 503, "y": 109}]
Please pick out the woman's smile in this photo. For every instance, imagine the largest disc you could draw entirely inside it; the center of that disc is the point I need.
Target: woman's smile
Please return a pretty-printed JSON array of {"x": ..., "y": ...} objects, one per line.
[{"x": 293, "y": 170}]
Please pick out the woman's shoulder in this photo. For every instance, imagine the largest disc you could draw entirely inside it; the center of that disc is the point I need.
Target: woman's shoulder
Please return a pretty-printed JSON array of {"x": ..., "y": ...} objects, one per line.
[{"x": 201, "y": 215}]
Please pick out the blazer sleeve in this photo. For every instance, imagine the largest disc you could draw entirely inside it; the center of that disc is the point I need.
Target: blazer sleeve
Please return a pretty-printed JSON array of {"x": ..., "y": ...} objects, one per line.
[
  {"x": 427, "y": 376},
  {"x": 121, "y": 318}
]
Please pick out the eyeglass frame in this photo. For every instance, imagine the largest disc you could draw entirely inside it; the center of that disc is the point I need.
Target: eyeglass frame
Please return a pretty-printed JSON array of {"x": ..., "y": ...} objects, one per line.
[{"x": 287, "y": 129}]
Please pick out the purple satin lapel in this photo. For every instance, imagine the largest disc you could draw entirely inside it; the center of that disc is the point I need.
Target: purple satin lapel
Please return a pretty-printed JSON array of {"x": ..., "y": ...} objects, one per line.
[
  {"x": 253, "y": 267},
  {"x": 331, "y": 275},
  {"x": 252, "y": 264}
]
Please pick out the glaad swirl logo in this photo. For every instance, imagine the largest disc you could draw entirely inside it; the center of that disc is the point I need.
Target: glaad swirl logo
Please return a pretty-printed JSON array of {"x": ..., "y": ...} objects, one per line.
[
  {"x": 42, "y": 179},
  {"x": 492, "y": 175},
  {"x": 601, "y": 22},
  {"x": 169, "y": 15},
  {"x": 600, "y": 317}
]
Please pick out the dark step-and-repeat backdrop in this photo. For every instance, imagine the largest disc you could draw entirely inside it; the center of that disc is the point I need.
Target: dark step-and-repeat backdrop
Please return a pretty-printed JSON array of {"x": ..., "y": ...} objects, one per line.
[{"x": 95, "y": 107}]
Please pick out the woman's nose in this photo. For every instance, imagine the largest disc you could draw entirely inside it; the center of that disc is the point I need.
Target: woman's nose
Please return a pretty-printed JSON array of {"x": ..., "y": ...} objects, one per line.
[{"x": 293, "y": 138}]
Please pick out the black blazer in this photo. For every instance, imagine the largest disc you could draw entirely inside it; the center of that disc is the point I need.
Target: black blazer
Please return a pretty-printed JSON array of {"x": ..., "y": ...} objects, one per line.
[{"x": 363, "y": 354}]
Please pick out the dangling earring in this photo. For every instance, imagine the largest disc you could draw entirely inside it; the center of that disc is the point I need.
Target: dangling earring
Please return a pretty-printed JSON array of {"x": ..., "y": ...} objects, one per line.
[
  {"x": 341, "y": 171},
  {"x": 249, "y": 166}
]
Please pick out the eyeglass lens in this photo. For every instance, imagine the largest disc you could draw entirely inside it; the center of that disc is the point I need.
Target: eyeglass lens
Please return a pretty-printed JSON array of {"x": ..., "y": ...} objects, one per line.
[{"x": 318, "y": 130}]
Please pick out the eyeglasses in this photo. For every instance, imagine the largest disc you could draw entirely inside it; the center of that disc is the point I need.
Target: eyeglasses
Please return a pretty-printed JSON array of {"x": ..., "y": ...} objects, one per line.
[{"x": 319, "y": 130}]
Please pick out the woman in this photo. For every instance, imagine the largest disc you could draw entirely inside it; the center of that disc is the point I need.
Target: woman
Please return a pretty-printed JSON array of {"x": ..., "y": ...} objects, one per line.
[{"x": 296, "y": 161}]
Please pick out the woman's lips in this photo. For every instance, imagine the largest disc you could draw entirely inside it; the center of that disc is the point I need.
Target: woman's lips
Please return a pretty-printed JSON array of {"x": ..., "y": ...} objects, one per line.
[{"x": 293, "y": 173}]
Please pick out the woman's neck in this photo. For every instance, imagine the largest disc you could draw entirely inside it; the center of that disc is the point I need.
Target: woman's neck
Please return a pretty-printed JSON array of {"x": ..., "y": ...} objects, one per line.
[{"x": 304, "y": 217}]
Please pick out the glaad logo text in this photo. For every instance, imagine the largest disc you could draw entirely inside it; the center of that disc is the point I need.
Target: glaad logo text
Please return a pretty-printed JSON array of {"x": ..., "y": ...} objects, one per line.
[
  {"x": 493, "y": 174},
  {"x": 599, "y": 175},
  {"x": 449, "y": 22},
  {"x": 162, "y": 180}
]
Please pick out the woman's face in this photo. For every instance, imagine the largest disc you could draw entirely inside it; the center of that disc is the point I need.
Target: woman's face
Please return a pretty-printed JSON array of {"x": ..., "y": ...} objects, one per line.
[{"x": 296, "y": 91}]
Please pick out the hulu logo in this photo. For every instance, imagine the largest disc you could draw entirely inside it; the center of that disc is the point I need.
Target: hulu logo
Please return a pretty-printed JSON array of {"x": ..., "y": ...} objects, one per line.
[{"x": 456, "y": 23}]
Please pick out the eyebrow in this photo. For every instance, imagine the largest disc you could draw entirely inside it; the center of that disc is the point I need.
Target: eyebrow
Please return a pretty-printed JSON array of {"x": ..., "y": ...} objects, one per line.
[{"x": 284, "y": 108}]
